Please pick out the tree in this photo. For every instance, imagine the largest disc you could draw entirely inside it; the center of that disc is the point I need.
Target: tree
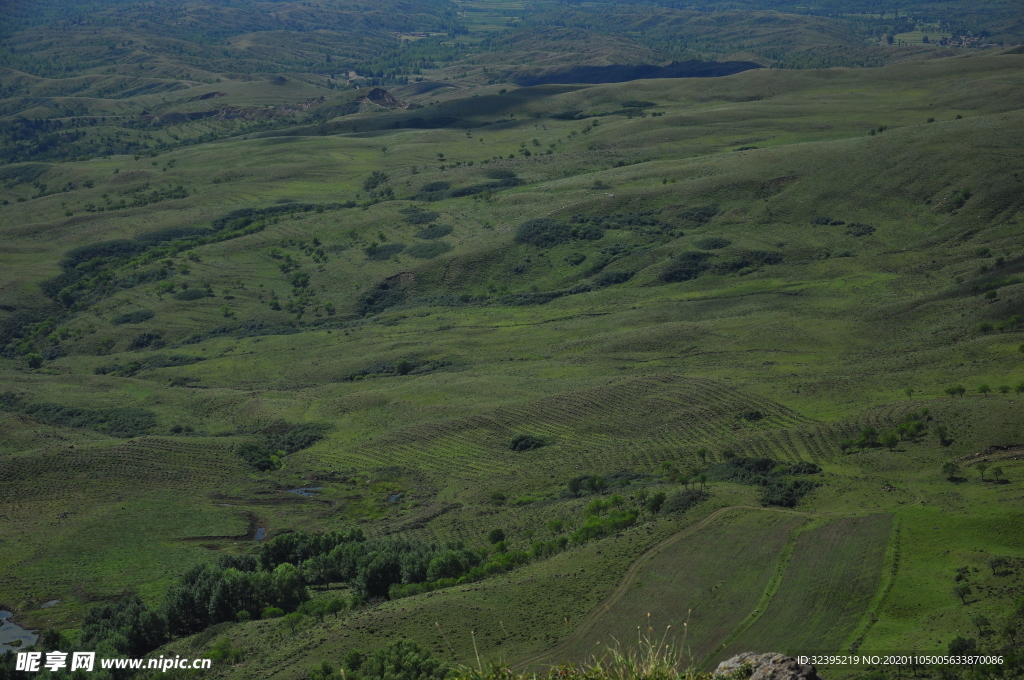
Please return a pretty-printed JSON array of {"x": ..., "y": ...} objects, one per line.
[
  {"x": 942, "y": 434},
  {"x": 982, "y": 468},
  {"x": 981, "y": 622},
  {"x": 1019, "y": 389},
  {"x": 575, "y": 486},
  {"x": 33, "y": 360},
  {"x": 997, "y": 472},
  {"x": 869, "y": 434},
  {"x": 703, "y": 479},
  {"x": 702, "y": 453},
  {"x": 956, "y": 391},
  {"x": 400, "y": 660},
  {"x": 402, "y": 367},
  {"x": 292, "y": 620},
  {"x": 890, "y": 441},
  {"x": 951, "y": 470},
  {"x": 984, "y": 388},
  {"x": 962, "y": 590},
  {"x": 336, "y": 606},
  {"x": 496, "y": 536},
  {"x": 655, "y": 502},
  {"x": 995, "y": 562},
  {"x": 1004, "y": 389},
  {"x": 909, "y": 391}
]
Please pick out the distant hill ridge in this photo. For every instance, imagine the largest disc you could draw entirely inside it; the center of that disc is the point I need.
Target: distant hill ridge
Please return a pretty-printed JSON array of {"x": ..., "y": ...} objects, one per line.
[{"x": 620, "y": 73}]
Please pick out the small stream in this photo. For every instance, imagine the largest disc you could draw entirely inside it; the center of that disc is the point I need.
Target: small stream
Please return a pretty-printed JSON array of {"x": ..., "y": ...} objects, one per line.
[{"x": 11, "y": 632}]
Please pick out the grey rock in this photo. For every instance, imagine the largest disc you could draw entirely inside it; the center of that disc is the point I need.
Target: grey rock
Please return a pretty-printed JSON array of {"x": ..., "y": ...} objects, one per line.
[{"x": 770, "y": 666}]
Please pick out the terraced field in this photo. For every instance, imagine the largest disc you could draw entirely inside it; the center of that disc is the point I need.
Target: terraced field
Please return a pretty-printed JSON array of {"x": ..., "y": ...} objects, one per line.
[
  {"x": 834, "y": 572},
  {"x": 702, "y": 586}
]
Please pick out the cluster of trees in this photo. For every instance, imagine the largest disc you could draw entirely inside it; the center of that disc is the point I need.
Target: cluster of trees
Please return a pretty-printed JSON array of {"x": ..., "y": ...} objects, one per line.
[
  {"x": 780, "y": 483},
  {"x": 399, "y": 660},
  {"x": 912, "y": 428},
  {"x": 952, "y": 471}
]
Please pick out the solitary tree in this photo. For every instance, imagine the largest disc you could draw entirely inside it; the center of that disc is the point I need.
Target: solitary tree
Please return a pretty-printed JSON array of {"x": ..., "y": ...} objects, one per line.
[
  {"x": 1004, "y": 389},
  {"x": 703, "y": 479},
  {"x": 984, "y": 389},
  {"x": 997, "y": 472},
  {"x": 981, "y": 623},
  {"x": 1020, "y": 386},
  {"x": 909, "y": 391},
  {"x": 995, "y": 562},
  {"x": 702, "y": 453},
  {"x": 890, "y": 440},
  {"x": 982, "y": 467},
  {"x": 962, "y": 590},
  {"x": 956, "y": 390},
  {"x": 496, "y": 536},
  {"x": 33, "y": 360},
  {"x": 951, "y": 470}
]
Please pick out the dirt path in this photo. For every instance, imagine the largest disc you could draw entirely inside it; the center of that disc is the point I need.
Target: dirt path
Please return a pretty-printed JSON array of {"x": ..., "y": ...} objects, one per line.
[{"x": 627, "y": 580}]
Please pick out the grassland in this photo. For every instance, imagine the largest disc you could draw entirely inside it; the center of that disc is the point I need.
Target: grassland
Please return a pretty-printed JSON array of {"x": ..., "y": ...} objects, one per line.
[{"x": 504, "y": 338}]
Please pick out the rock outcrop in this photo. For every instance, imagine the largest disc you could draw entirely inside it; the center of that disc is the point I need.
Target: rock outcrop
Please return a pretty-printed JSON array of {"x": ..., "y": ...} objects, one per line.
[{"x": 768, "y": 666}]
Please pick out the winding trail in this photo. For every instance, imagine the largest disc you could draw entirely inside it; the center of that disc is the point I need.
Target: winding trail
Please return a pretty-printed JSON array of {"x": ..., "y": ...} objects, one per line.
[{"x": 624, "y": 585}]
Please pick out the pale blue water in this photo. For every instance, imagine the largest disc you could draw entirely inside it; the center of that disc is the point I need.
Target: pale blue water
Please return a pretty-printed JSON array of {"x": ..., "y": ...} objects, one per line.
[
  {"x": 10, "y": 631},
  {"x": 306, "y": 490}
]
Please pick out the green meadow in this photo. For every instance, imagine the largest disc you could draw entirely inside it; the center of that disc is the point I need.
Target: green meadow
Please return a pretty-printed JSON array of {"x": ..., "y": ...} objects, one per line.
[{"x": 426, "y": 323}]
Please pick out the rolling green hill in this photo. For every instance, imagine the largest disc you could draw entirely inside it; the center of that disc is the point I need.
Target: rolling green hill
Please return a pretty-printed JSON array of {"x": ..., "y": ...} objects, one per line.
[{"x": 692, "y": 345}]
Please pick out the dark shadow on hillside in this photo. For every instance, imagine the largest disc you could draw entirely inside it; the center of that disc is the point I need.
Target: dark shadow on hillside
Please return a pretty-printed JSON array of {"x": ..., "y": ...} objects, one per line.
[{"x": 620, "y": 73}]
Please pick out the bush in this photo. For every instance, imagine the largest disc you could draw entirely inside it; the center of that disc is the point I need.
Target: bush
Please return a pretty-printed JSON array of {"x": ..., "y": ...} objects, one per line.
[
  {"x": 685, "y": 267},
  {"x": 400, "y": 660},
  {"x": 192, "y": 294},
  {"x": 610, "y": 278},
  {"x": 500, "y": 173},
  {"x": 545, "y": 232},
  {"x": 524, "y": 442},
  {"x": 431, "y": 187},
  {"x": 683, "y": 501},
  {"x": 421, "y": 217},
  {"x": 144, "y": 340},
  {"x": 383, "y": 252},
  {"x": 34, "y": 360},
  {"x": 434, "y": 231},
  {"x": 712, "y": 243},
  {"x": 138, "y": 316},
  {"x": 428, "y": 251}
]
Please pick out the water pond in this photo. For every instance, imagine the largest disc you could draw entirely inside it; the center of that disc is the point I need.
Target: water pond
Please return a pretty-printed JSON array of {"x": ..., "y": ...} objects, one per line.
[{"x": 13, "y": 636}]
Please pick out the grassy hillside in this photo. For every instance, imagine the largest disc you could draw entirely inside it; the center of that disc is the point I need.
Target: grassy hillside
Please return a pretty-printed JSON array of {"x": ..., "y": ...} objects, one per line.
[{"x": 536, "y": 311}]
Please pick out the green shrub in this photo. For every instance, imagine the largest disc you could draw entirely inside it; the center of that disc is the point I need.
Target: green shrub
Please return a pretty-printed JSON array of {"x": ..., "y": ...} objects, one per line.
[
  {"x": 192, "y": 294},
  {"x": 524, "y": 442},
  {"x": 137, "y": 316},
  {"x": 712, "y": 243},
  {"x": 428, "y": 251},
  {"x": 545, "y": 232},
  {"x": 682, "y": 501},
  {"x": 421, "y": 217},
  {"x": 685, "y": 266},
  {"x": 383, "y": 252},
  {"x": 610, "y": 278},
  {"x": 434, "y": 231}
]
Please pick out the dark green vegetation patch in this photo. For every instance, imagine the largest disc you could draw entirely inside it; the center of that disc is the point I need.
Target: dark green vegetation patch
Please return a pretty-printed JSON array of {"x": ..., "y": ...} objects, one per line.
[
  {"x": 116, "y": 421},
  {"x": 434, "y": 231},
  {"x": 137, "y": 316},
  {"x": 427, "y": 251}
]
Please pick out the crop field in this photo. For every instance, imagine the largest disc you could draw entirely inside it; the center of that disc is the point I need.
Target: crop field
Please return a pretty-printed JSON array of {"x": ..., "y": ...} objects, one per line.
[
  {"x": 702, "y": 586},
  {"x": 736, "y": 355},
  {"x": 832, "y": 575}
]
